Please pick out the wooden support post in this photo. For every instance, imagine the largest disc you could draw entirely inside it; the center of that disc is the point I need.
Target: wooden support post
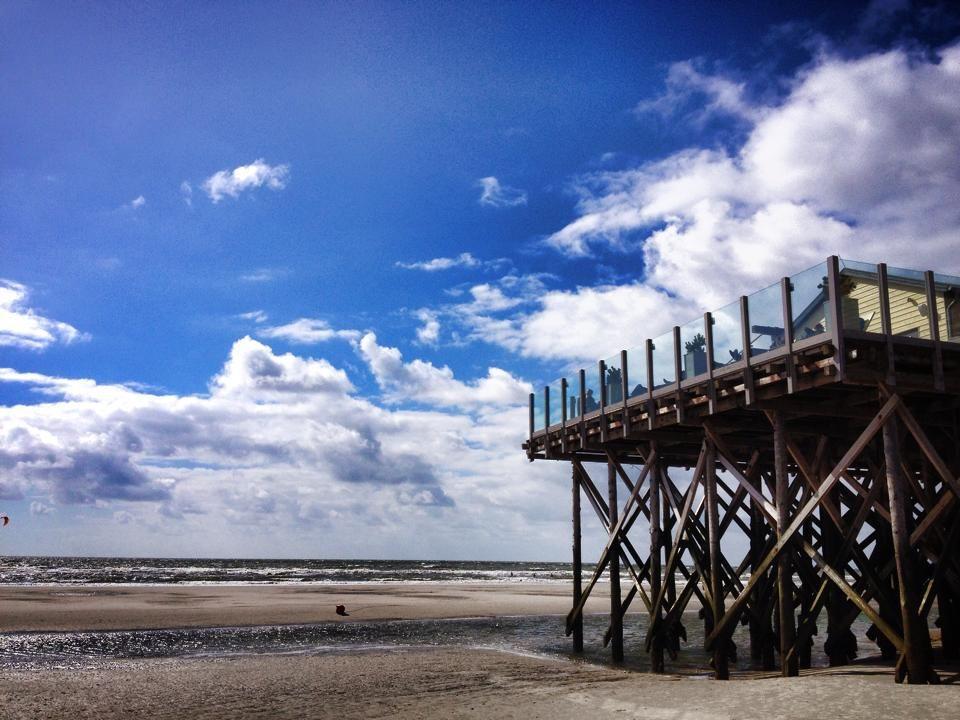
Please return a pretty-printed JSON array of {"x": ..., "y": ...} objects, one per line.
[
  {"x": 532, "y": 423},
  {"x": 651, "y": 403},
  {"x": 577, "y": 562},
  {"x": 616, "y": 618},
  {"x": 563, "y": 415},
  {"x": 761, "y": 632},
  {"x": 932, "y": 318},
  {"x": 786, "y": 299},
  {"x": 715, "y": 612},
  {"x": 916, "y": 637},
  {"x": 625, "y": 392},
  {"x": 656, "y": 568},
  {"x": 602, "y": 370},
  {"x": 835, "y": 315},
  {"x": 788, "y": 665},
  {"x": 678, "y": 373},
  {"x": 749, "y": 394},
  {"x": 711, "y": 385},
  {"x": 583, "y": 406},
  {"x": 886, "y": 323}
]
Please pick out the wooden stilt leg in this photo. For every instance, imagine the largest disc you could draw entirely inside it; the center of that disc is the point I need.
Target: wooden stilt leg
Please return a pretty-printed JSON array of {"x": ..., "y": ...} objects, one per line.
[
  {"x": 577, "y": 564},
  {"x": 787, "y": 622},
  {"x": 720, "y": 649},
  {"x": 616, "y": 619},
  {"x": 916, "y": 637},
  {"x": 656, "y": 569}
]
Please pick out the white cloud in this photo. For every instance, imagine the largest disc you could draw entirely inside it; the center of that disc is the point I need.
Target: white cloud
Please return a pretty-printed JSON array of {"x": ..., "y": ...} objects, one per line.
[
  {"x": 245, "y": 177},
  {"x": 186, "y": 192},
  {"x": 496, "y": 195},
  {"x": 22, "y": 327},
  {"x": 429, "y": 331},
  {"x": 264, "y": 275},
  {"x": 257, "y": 316},
  {"x": 37, "y": 508},
  {"x": 465, "y": 260},
  {"x": 859, "y": 158},
  {"x": 307, "y": 331},
  {"x": 138, "y": 202},
  {"x": 424, "y": 383},
  {"x": 282, "y": 450},
  {"x": 709, "y": 94}
]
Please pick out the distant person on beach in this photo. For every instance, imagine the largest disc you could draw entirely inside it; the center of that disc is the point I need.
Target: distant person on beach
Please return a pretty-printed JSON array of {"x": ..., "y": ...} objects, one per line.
[{"x": 342, "y": 610}]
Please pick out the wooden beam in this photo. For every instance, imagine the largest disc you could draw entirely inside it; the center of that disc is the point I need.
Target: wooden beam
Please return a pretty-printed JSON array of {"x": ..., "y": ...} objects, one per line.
[
  {"x": 916, "y": 638},
  {"x": 616, "y": 618},
  {"x": 656, "y": 580},
  {"x": 577, "y": 563},
  {"x": 720, "y": 668},
  {"x": 788, "y": 666}
]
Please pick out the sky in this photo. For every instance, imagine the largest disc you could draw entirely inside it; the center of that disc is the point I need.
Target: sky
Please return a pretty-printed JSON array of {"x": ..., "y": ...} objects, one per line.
[{"x": 276, "y": 281}]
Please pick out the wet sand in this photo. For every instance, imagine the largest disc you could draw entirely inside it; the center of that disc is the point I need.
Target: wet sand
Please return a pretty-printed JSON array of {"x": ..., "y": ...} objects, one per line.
[
  {"x": 140, "y": 607},
  {"x": 401, "y": 683}
]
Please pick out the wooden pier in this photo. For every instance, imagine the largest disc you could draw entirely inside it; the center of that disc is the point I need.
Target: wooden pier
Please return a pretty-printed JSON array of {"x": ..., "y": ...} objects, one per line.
[{"x": 819, "y": 421}]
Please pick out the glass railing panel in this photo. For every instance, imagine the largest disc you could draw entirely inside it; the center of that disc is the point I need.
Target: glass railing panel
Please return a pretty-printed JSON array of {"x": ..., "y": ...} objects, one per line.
[
  {"x": 808, "y": 302},
  {"x": 727, "y": 335},
  {"x": 664, "y": 370},
  {"x": 765, "y": 308},
  {"x": 693, "y": 349},
  {"x": 573, "y": 397},
  {"x": 637, "y": 370},
  {"x": 613, "y": 384},
  {"x": 556, "y": 401},
  {"x": 948, "y": 307},
  {"x": 907, "y": 298},
  {"x": 860, "y": 296},
  {"x": 592, "y": 386},
  {"x": 539, "y": 416}
]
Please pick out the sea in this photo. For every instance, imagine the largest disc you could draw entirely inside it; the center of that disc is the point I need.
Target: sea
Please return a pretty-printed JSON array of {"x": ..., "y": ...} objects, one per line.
[{"x": 541, "y": 636}]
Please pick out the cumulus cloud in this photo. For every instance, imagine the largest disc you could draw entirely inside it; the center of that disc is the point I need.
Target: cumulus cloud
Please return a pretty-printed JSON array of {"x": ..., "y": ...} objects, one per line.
[
  {"x": 282, "y": 448},
  {"x": 138, "y": 202},
  {"x": 307, "y": 331},
  {"x": 494, "y": 194},
  {"x": 858, "y": 158},
  {"x": 22, "y": 327},
  {"x": 424, "y": 383},
  {"x": 245, "y": 177},
  {"x": 429, "y": 331}
]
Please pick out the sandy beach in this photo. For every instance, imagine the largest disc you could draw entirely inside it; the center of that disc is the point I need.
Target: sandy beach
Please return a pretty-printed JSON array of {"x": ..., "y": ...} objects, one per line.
[{"x": 411, "y": 682}]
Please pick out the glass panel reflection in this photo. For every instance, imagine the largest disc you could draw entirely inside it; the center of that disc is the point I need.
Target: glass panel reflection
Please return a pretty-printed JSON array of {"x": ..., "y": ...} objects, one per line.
[
  {"x": 860, "y": 296},
  {"x": 765, "y": 308},
  {"x": 907, "y": 297},
  {"x": 613, "y": 383},
  {"x": 664, "y": 371},
  {"x": 808, "y": 302},
  {"x": 592, "y": 386},
  {"x": 573, "y": 397},
  {"x": 693, "y": 349},
  {"x": 554, "y": 415},
  {"x": 948, "y": 307},
  {"x": 727, "y": 336},
  {"x": 637, "y": 371}
]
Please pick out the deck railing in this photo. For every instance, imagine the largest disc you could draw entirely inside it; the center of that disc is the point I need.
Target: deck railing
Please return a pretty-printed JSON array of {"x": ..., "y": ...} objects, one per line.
[{"x": 819, "y": 305}]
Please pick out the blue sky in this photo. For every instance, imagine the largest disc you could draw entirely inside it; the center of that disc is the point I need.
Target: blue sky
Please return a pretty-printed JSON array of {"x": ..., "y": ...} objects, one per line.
[{"x": 221, "y": 328}]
